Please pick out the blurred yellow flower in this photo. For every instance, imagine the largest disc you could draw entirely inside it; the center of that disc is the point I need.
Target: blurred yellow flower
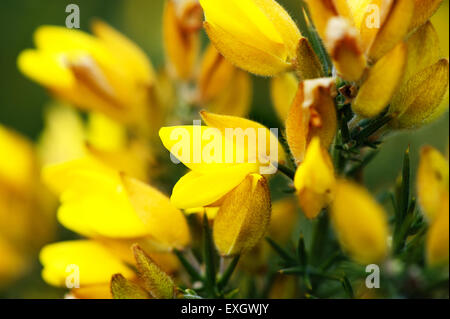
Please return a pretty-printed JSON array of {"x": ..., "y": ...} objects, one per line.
[
  {"x": 438, "y": 236},
  {"x": 97, "y": 201},
  {"x": 182, "y": 21},
  {"x": 360, "y": 223},
  {"x": 223, "y": 88},
  {"x": 283, "y": 89},
  {"x": 106, "y": 73},
  {"x": 260, "y": 37},
  {"x": 432, "y": 181}
]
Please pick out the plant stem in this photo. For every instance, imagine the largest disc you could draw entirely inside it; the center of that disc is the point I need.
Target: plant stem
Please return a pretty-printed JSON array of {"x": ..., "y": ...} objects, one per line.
[
  {"x": 228, "y": 272},
  {"x": 286, "y": 171},
  {"x": 208, "y": 255}
]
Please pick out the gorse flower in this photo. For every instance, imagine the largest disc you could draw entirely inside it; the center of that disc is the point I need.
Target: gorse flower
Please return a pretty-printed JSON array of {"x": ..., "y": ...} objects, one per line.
[
  {"x": 350, "y": 73},
  {"x": 260, "y": 38},
  {"x": 106, "y": 73}
]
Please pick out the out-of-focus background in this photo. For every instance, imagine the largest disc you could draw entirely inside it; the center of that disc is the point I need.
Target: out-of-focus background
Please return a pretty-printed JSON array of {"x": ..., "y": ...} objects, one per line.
[{"x": 22, "y": 102}]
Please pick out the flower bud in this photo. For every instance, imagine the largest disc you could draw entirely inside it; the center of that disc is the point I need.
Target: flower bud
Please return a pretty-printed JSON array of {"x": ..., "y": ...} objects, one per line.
[
  {"x": 423, "y": 10},
  {"x": 243, "y": 217},
  {"x": 315, "y": 180},
  {"x": 182, "y": 21},
  {"x": 360, "y": 223},
  {"x": 312, "y": 114},
  {"x": 261, "y": 38}
]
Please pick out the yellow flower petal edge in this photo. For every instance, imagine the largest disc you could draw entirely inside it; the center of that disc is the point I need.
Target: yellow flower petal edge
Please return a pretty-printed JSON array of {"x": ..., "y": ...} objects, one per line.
[
  {"x": 243, "y": 217},
  {"x": 423, "y": 10},
  {"x": 381, "y": 83},
  {"x": 88, "y": 259},
  {"x": 360, "y": 223},
  {"x": 210, "y": 187}
]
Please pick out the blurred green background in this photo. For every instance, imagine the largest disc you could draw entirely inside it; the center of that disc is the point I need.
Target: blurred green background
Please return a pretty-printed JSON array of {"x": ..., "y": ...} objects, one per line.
[{"x": 22, "y": 101}]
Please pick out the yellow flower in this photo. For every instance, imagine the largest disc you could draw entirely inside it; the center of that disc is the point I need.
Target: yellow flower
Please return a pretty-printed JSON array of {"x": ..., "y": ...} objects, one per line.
[
  {"x": 381, "y": 83},
  {"x": 97, "y": 201},
  {"x": 181, "y": 22},
  {"x": 315, "y": 180},
  {"x": 228, "y": 160},
  {"x": 312, "y": 114},
  {"x": 258, "y": 36},
  {"x": 437, "y": 239},
  {"x": 106, "y": 73},
  {"x": 66, "y": 137},
  {"x": 418, "y": 100},
  {"x": 432, "y": 181},
  {"x": 89, "y": 259},
  {"x": 423, "y": 10},
  {"x": 283, "y": 219},
  {"x": 243, "y": 216},
  {"x": 223, "y": 88},
  {"x": 360, "y": 223},
  {"x": 26, "y": 218}
]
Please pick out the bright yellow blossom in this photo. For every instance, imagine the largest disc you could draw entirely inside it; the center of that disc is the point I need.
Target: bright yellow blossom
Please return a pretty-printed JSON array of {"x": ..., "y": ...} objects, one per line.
[
  {"x": 257, "y": 36},
  {"x": 360, "y": 223},
  {"x": 438, "y": 236},
  {"x": 106, "y": 73}
]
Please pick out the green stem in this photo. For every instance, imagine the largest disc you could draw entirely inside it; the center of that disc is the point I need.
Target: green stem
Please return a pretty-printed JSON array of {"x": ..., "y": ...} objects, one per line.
[
  {"x": 228, "y": 272},
  {"x": 193, "y": 273},
  {"x": 286, "y": 171},
  {"x": 208, "y": 255}
]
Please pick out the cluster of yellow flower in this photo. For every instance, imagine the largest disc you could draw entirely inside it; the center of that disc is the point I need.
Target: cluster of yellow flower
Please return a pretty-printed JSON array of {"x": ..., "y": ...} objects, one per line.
[{"x": 99, "y": 169}]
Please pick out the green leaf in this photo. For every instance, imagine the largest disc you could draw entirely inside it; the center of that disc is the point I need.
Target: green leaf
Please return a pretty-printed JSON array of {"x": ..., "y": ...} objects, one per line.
[
  {"x": 208, "y": 257},
  {"x": 228, "y": 272},
  {"x": 286, "y": 256},
  {"x": 122, "y": 288}
]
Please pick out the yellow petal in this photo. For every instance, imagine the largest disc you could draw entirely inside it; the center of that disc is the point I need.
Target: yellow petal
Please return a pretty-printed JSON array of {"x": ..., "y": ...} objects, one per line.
[
  {"x": 93, "y": 200},
  {"x": 13, "y": 262},
  {"x": 45, "y": 68},
  {"x": 283, "y": 89},
  {"x": 90, "y": 260},
  {"x": 283, "y": 219},
  {"x": 312, "y": 114},
  {"x": 208, "y": 189},
  {"x": 243, "y": 217},
  {"x": 419, "y": 100},
  {"x": 381, "y": 83},
  {"x": 181, "y": 42},
  {"x": 132, "y": 56},
  {"x": 17, "y": 161},
  {"x": 432, "y": 181},
  {"x": 345, "y": 49},
  {"x": 261, "y": 24},
  {"x": 315, "y": 180},
  {"x": 393, "y": 30},
  {"x": 437, "y": 238},
  {"x": 164, "y": 222},
  {"x": 63, "y": 138},
  {"x": 236, "y": 98},
  {"x": 215, "y": 74},
  {"x": 224, "y": 122},
  {"x": 101, "y": 291},
  {"x": 307, "y": 64},
  {"x": 244, "y": 55},
  {"x": 423, "y": 10},
  {"x": 360, "y": 223},
  {"x": 423, "y": 50},
  {"x": 321, "y": 12}
]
